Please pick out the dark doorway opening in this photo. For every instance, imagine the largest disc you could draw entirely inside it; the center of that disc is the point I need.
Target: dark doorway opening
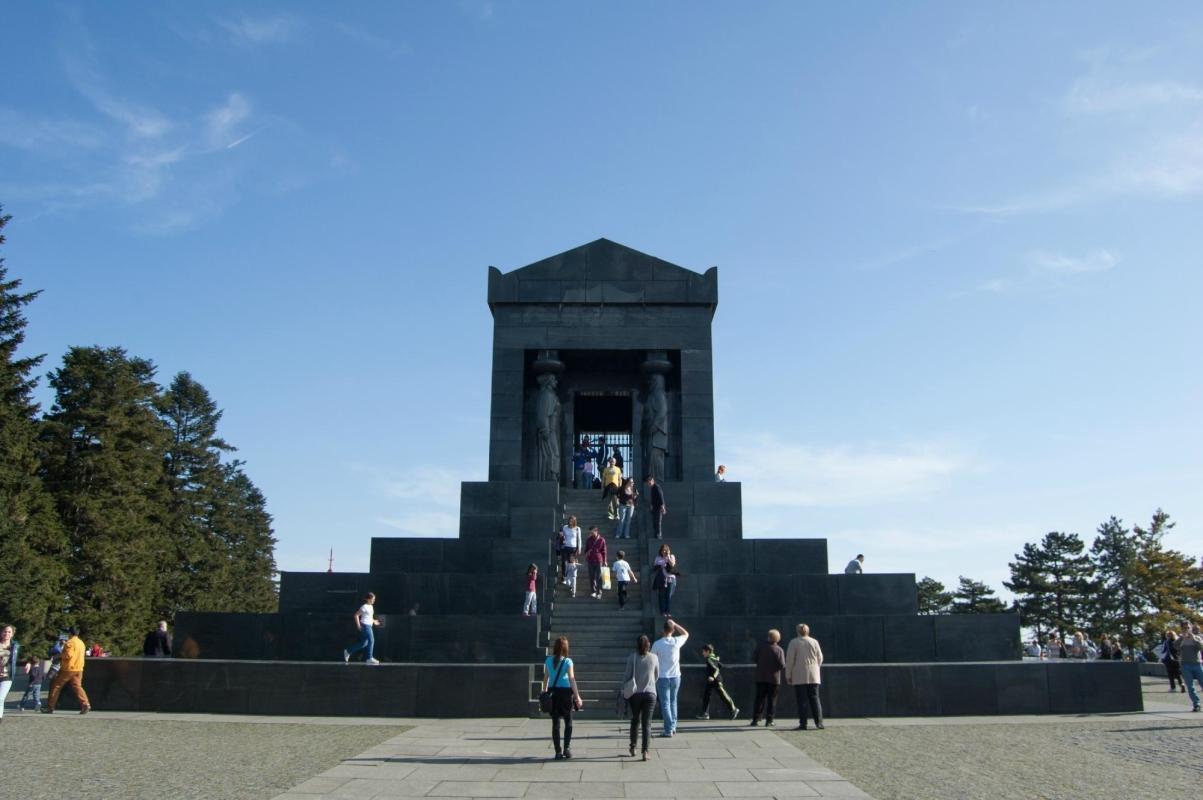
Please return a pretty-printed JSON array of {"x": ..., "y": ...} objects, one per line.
[{"x": 604, "y": 415}]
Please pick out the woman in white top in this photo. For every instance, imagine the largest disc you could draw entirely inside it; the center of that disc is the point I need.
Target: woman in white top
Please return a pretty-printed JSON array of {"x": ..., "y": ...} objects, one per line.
[
  {"x": 365, "y": 623},
  {"x": 570, "y": 542}
]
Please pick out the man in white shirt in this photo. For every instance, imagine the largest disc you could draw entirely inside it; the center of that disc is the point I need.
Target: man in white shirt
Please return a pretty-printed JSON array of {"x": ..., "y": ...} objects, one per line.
[
  {"x": 667, "y": 650},
  {"x": 854, "y": 566}
]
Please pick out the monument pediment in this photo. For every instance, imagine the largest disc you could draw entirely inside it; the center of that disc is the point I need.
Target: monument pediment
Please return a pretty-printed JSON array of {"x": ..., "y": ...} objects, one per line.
[{"x": 603, "y": 271}]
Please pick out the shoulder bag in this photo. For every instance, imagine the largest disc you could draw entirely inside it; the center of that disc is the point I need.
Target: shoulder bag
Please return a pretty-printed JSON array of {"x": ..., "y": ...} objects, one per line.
[{"x": 545, "y": 695}]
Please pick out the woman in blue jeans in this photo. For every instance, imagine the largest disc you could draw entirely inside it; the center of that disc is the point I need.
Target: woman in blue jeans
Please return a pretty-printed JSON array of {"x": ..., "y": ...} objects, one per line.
[{"x": 665, "y": 579}]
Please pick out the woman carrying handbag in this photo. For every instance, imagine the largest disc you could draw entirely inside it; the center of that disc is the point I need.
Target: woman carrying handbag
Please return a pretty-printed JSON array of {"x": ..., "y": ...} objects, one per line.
[
  {"x": 560, "y": 695},
  {"x": 639, "y": 688}
]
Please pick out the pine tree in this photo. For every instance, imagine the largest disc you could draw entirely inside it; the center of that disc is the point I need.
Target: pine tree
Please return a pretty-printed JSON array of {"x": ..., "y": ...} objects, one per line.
[
  {"x": 239, "y": 520},
  {"x": 1117, "y": 603},
  {"x": 194, "y": 478},
  {"x": 975, "y": 597},
  {"x": 1051, "y": 583},
  {"x": 933, "y": 598},
  {"x": 1167, "y": 582},
  {"x": 104, "y": 464},
  {"x": 32, "y": 544}
]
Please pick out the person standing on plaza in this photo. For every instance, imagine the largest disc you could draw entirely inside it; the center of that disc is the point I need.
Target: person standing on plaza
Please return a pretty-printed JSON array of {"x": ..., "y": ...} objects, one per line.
[
  {"x": 623, "y": 575},
  {"x": 802, "y": 663},
  {"x": 595, "y": 557},
  {"x": 71, "y": 673},
  {"x": 714, "y": 683},
  {"x": 770, "y": 662},
  {"x": 1169, "y": 657},
  {"x": 158, "y": 642},
  {"x": 667, "y": 650},
  {"x": 639, "y": 687},
  {"x": 611, "y": 483},
  {"x": 1190, "y": 653},
  {"x": 657, "y": 504},
  {"x": 570, "y": 542},
  {"x": 664, "y": 579},
  {"x": 627, "y": 496},
  {"x": 559, "y": 678},
  {"x": 10, "y": 662},
  {"x": 855, "y": 566},
  {"x": 365, "y": 623}
]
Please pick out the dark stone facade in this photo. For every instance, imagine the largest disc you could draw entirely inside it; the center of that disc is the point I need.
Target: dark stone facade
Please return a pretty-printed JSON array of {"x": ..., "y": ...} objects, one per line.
[{"x": 608, "y": 322}]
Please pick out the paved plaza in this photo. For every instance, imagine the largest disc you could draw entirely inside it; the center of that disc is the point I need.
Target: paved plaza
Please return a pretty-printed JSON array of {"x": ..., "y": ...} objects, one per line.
[{"x": 512, "y": 758}]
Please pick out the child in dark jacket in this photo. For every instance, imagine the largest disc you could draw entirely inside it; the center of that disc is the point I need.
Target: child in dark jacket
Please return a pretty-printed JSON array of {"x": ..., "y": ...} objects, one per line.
[{"x": 714, "y": 683}]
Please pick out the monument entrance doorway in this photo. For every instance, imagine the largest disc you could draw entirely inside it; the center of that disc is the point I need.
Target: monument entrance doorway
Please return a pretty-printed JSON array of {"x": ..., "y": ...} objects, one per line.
[{"x": 605, "y": 416}]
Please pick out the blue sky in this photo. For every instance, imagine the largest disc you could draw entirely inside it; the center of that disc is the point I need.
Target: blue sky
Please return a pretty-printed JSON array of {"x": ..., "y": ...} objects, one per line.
[{"x": 958, "y": 244}]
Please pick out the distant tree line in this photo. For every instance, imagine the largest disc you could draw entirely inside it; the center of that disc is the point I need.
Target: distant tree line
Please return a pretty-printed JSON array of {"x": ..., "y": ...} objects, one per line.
[
  {"x": 1127, "y": 585},
  {"x": 118, "y": 506}
]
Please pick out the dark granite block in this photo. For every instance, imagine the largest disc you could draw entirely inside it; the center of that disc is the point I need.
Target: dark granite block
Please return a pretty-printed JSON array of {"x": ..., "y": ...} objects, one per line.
[
  {"x": 977, "y": 637},
  {"x": 878, "y": 594},
  {"x": 507, "y": 381},
  {"x": 859, "y": 639},
  {"x": 697, "y": 405},
  {"x": 717, "y": 499},
  {"x": 721, "y": 595},
  {"x": 321, "y": 591},
  {"x": 534, "y": 493},
  {"x": 815, "y": 594},
  {"x": 484, "y": 499},
  {"x": 715, "y": 527},
  {"x": 792, "y": 556},
  {"x": 858, "y": 691},
  {"x": 663, "y": 291},
  {"x": 481, "y": 527},
  {"x": 768, "y": 594},
  {"x": 1021, "y": 688},
  {"x": 912, "y": 691},
  {"x": 966, "y": 689},
  {"x": 909, "y": 638},
  {"x": 533, "y": 523},
  {"x": 1077, "y": 687},
  {"x": 699, "y": 381}
]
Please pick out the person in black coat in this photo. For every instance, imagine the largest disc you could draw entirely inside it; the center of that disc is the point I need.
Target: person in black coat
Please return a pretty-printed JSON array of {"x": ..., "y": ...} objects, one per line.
[
  {"x": 770, "y": 662},
  {"x": 157, "y": 643}
]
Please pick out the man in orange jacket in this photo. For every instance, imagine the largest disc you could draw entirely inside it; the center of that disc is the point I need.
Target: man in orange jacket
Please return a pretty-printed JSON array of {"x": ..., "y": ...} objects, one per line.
[{"x": 71, "y": 673}]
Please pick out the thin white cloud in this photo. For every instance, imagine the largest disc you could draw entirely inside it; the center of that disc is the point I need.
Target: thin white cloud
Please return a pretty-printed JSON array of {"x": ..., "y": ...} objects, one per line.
[
  {"x": 1093, "y": 97},
  {"x": 44, "y": 134},
  {"x": 140, "y": 121},
  {"x": 275, "y": 29},
  {"x": 387, "y": 47},
  {"x": 221, "y": 123},
  {"x": 1044, "y": 261},
  {"x": 426, "y": 501},
  {"x": 778, "y": 474}
]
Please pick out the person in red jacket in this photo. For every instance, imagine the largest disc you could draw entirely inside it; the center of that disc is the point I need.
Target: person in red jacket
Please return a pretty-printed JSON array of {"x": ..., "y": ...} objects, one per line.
[{"x": 595, "y": 557}]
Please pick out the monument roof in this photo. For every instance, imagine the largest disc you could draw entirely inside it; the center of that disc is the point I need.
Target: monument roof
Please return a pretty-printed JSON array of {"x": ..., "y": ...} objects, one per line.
[{"x": 603, "y": 272}]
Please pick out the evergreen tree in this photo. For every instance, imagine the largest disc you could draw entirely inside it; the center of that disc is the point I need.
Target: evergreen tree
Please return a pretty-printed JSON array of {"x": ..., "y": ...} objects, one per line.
[
  {"x": 1051, "y": 583},
  {"x": 240, "y": 522},
  {"x": 933, "y": 598},
  {"x": 1167, "y": 582},
  {"x": 32, "y": 544},
  {"x": 1117, "y": 605},
  {"x": 194, "y": 478},
  {"x": 975, "y": 597},
  {"x": 104, "y": 464}
]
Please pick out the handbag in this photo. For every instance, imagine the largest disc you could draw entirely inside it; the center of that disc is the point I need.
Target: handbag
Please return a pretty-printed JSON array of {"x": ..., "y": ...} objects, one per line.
[
  {"x": 605, "y": 578},
  {"x": 545, "y": 695}
]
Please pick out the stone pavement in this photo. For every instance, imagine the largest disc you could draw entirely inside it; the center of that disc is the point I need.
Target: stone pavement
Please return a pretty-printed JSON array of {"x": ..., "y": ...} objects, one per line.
[{"x": 513, "y": 758}]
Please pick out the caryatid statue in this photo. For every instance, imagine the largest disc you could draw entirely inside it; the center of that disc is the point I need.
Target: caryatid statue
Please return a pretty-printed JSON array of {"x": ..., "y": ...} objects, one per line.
[
  {"x": 548, "y": 417},
  {"x": 655, "y": 427}
]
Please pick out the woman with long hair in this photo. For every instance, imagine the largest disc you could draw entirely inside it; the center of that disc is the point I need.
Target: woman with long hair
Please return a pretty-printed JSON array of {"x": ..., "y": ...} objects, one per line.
[
  {"x": 560, "y": 679},
  {"x": 665, "y": 578},
  {"x": 643, "y": 669}
]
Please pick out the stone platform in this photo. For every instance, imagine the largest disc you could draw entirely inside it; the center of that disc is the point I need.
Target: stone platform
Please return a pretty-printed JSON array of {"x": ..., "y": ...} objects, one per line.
[{"x": 503, "y": 690}]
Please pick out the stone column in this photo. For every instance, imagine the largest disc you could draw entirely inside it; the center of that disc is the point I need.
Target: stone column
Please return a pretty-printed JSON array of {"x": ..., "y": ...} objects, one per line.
[
  {"x": 655, "y": 415},
  {"x": 548, "y": 417}
]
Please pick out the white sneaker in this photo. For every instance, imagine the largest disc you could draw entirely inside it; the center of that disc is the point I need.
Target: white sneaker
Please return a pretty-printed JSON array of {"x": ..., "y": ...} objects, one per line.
[
  {"x": 346, "y": 657},
  {"x": 371, "y": 661}
]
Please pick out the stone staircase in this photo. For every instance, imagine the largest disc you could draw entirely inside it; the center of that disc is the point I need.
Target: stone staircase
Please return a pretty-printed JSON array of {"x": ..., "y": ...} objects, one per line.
[{"x": 601, "y": 636}]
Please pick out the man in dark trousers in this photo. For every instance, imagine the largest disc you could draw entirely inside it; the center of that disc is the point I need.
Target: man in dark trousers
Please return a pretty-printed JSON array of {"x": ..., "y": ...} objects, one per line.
[
  {"x": 656, "y": 503},
  {"x": 158, "y": 642},
  {"x": 770, "y": 661}
]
